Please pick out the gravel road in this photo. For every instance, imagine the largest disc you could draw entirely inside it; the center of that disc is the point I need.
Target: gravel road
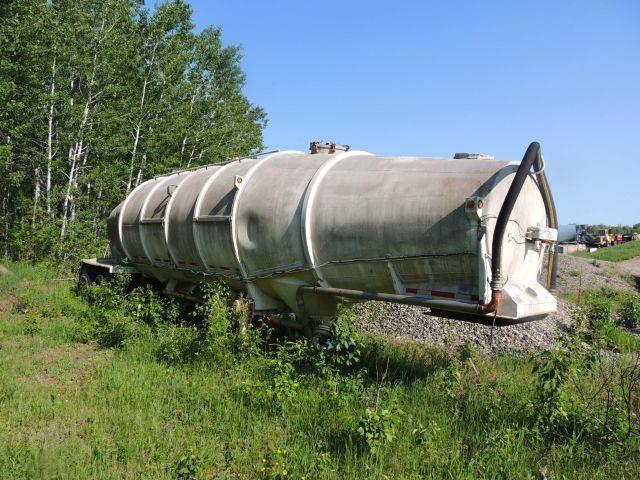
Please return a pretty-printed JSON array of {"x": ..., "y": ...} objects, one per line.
[{"x": 415, "y": 323}]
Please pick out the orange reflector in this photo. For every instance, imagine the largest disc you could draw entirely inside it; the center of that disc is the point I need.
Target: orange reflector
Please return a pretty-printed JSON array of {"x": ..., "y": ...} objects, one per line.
[
  {"x": 480, "y": 203},
  {"x": 471, "y": 203}
]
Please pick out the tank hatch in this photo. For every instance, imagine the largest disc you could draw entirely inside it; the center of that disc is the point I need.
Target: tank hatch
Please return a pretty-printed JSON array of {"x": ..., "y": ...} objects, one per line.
[
  {"x": 330, "y": 147},
  {"x": 473, "y": 156}
]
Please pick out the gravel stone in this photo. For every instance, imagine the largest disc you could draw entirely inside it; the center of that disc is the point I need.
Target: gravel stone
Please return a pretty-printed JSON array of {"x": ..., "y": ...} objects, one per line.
[{"x": 415, "y": 323}]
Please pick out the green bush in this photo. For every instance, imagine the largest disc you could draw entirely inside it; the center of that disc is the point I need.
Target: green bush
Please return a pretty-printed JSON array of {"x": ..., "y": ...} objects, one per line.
[
  {"x": 217, "y": 319},
  {"x": 345, "y": 339},
  {"x": 178, "y": 343},
  {"x": 599, "y": 312},
  {"x": 113, "y": 330},
  {"x": 629, "y": 313},
  {"x": 188, "y": 466},
  {"x": 32, "y": 325},
  {"x": 377, "y": 429},
  {"x": 148, "y": 307},
  {"x": 551, "y": 370}
]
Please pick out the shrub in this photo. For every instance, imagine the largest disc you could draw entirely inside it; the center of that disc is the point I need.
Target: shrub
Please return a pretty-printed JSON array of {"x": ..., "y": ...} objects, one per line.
[
  {"x": 551, "y": 369},
  {"x": 178, "y": 343},
  {"x": 218, "y": 320},
  {"x": 599, "y": 312},
  {"x": 377, "y": 429},
  {"x": 450, "y": 376},
  {"x": 188, "y": 466},
  {"x": 113, "y": 330},
  {"x": 346, "y": 339},
  {"x": 629, "y": 313},
  {"x": 32, "y": 325},
  {"x": 149, "y": 308},
  {"x": 282, "y": 370}
]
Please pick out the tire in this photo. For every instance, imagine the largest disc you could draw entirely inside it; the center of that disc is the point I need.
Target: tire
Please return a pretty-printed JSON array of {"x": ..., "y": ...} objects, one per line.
[{"x": 84, "y": 280}]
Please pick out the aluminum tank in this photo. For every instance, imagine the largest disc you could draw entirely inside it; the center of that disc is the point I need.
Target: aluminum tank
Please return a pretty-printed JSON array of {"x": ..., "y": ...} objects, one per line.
[{"x": 406, "y": 227}]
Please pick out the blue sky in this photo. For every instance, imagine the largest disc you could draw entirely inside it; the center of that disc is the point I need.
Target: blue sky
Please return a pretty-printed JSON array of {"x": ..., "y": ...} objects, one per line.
[{"x": 434, "y": 77}]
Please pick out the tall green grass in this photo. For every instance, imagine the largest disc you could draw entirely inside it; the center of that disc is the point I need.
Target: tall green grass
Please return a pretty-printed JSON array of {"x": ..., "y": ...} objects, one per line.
[
  {"x": 614, "y": 253},
  {"x": 130, "y": 386}
]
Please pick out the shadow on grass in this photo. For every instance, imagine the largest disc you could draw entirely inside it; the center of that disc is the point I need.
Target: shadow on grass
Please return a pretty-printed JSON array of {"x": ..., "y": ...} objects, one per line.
[{"x": 402, "y": 362}]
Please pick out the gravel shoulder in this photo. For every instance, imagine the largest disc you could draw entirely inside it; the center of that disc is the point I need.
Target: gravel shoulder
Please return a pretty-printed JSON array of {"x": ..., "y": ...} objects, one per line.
[
  {"x": 415, "y": 323},
  {"x": 632, "y": 266}
]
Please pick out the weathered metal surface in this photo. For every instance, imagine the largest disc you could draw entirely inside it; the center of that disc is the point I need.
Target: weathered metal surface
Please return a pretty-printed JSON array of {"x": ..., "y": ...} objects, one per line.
[{"x": 343, "y": 219}]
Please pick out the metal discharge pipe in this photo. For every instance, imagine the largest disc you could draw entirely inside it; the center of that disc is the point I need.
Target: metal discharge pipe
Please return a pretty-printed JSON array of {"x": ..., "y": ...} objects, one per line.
[{"x": 552, "y": 219}]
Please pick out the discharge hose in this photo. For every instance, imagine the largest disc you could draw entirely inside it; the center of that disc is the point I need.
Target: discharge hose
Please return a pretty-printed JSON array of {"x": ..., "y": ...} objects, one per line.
[{"x": 530, "y": 157}]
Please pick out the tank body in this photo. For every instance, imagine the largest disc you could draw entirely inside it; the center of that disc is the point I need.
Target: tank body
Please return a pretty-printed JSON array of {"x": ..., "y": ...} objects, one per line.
[{"x": 401, "y": 225}]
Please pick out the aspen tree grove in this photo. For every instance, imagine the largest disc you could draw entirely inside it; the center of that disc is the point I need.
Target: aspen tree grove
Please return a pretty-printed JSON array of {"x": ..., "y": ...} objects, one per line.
[{"x": 95, "y": 97}]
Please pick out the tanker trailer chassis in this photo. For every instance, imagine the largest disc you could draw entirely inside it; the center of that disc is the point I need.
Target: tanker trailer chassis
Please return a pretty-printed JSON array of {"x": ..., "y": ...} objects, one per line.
[{"x": 297, "y": 233}]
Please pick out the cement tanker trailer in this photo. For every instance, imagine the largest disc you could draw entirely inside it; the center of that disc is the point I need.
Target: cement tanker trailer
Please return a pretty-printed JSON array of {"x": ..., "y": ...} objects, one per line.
[{"x": 293, "y": 232}]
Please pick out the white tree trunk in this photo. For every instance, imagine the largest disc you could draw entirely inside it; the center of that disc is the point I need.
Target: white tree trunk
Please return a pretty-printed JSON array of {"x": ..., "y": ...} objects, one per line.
[
  {"x": 143, "y": 99},
  {"x": 141, "y": 170},
  {"x": 36, "y": 195},
  {"x": 68, "y": 193},
  {"x": 132, "y": 166},
  {"x": 186, "y": 134},
  {"x": 68, "y": 204},
  {"x": 182, "y": 147},
  {"x": 193, "y": 150},
  {"x": 50, "y": 137}
]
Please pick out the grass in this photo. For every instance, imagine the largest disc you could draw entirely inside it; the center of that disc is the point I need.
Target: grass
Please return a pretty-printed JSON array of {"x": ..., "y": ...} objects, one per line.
[
  {"x": 615, "y": 253},
  {"x": 158, "y": 406}
]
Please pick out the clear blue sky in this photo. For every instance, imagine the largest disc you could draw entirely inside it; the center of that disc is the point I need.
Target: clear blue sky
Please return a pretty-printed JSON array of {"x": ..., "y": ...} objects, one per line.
[{"x": 434, "y": 77}]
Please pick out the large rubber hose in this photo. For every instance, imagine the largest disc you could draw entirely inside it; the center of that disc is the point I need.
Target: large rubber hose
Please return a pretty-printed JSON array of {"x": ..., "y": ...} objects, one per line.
[{"x": 528, "y": 160}]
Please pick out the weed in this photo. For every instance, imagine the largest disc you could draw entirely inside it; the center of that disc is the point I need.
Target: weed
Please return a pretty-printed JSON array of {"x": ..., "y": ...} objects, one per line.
[
  {"x": 378, "y": 428},
  {"x": 629, "y": 313},
  {"x": 599, "y": 312},
  {"x": 344, "y": 346},
  {"x": 177, "y": 343},
  {"x": 188, "y": 466},
  {"x": 32, "y": 325},
  {"x": 450, "y": 377},
  {"x": 113, "y": 330},
  {"x": 284, "y": 385},
  {"x": 145, "y": 306},
  {"x": 551, "y": 370},
  {"x": 425, "y": 436}
]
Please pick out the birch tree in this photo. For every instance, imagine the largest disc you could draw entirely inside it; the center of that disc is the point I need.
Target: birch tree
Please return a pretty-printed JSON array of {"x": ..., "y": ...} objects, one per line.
[{"x": 95, "y": 97}]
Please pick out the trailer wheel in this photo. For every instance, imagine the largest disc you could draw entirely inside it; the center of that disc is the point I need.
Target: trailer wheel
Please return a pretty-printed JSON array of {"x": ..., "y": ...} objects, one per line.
[{"x": 84, "y": 280}]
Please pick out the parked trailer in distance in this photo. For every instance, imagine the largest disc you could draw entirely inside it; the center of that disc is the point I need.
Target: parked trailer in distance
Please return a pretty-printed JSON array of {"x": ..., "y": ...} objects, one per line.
[{"x": 294, "y": 232}]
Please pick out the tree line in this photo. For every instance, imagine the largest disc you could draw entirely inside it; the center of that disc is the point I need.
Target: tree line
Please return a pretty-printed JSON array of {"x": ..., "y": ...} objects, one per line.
[
  {"x": 622, "y": 229},
  {"x": 97, "y": 96}
]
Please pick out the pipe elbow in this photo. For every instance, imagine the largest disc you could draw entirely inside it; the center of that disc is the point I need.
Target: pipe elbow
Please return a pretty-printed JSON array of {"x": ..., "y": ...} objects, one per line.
[{"x": 493, "y": 305}]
